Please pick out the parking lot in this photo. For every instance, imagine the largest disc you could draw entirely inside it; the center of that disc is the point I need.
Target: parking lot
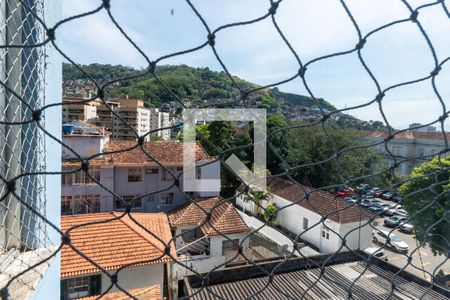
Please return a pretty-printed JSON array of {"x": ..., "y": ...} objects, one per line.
[{"x": 422, "y": 258}]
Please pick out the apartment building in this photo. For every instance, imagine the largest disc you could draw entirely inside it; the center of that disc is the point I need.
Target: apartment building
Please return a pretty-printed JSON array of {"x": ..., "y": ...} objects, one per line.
[
  {"x": 105, "y": 117},
  {"x": 410, "y": 148},
  {"x": 134, "y": 176},
  {"x": 158, "y": 120},
  {"x": 134, "y": 115},
  {"x": 74, "y": 108}
]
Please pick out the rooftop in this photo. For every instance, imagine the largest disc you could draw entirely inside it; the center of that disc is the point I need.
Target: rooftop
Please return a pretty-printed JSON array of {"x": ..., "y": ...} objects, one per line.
[
  {"x": 302, "y": 279},
  {"x": 128, "y": 153},
  {"x": 224, "y": 217},
  {"x": 318, "y": 201},
  {"x": 147, "y": 293},
  {"x": 115, "y": 242},
  {"x": 79, "y": 127},
  {"x": 411, "y": 135}
]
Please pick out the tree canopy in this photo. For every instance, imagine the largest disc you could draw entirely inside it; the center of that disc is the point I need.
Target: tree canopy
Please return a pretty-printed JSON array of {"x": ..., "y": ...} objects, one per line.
[{"x": 426, "y": 199}]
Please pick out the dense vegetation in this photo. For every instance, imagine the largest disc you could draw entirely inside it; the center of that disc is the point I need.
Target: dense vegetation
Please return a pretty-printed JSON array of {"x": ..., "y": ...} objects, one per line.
[
  {"x": 427, "y": 200},
  {"x": 192, "y": 84}
]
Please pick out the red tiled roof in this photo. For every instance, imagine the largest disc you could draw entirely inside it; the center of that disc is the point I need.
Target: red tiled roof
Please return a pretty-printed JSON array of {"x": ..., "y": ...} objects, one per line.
[
  {"x": 410, "y": 135},
  {"x": 147, "y": 293},
  {"x": 168, "y": 153},
  {"x": 320, "y": 202},
  {"x": 224, "y": 217},
  {"x": 114, "y": 243}
]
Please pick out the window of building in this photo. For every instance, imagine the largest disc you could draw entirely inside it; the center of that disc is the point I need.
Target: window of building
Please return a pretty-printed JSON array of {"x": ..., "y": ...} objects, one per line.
[
  {"x": 78, "y": 177},
  {"x": 151, "y": 171},
  {"x": 198, "y": 173},
  {"x": 86, "y": 204},
  {"x": 94, "y": 172},
  {"x": 134, "y": 174},
  {"x": 66, "y": 179},
  {"x": 230, "y": 246},
  {"x": 420, "y": 151},
  {"x": 66, "y": 205},
  {"x": 134, "y": 200},
  {"x": 326, "y": 233},
  {"x": 305, "y": 223},
  {"x": 166, "y": 175},
  {"x": 167, "y": 199},
  {"x": 73, "y": 288}
]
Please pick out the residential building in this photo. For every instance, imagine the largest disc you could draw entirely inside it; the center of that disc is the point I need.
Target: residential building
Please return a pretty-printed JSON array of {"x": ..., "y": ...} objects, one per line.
[
  {"x": 134, "y": 175},
  {"x": 206, "y": 244},
  {"x": 158, "y": 120},
  {"x": 119, "y": 246},
  {"x": 320, "y": 218},
  {"x": 74, "y": 108},
  {"x": 132, "y": 114},
  {"x": 105, "y": 116},
  {"x": 410, "y": 149},
  {"x": 350, "y": 275},
  {"x": 87, "y": 139},
  {"x": 422, "y": 129}
]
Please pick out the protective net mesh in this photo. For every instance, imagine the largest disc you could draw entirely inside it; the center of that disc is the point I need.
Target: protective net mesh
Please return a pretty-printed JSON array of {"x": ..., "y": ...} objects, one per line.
[{"x": 24, "y": 36}]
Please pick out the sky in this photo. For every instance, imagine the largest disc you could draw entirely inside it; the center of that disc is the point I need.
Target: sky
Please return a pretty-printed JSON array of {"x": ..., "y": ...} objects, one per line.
[{"x": 258, "y": 54}]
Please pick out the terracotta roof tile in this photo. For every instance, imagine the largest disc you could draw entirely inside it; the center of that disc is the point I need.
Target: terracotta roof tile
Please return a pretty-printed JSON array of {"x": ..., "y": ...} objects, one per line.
[
  {"x": 410, "y": 135},
  {"x": 224, "y": 217},
  {"x": 168, "y": 153},
  {"x": 114, "y": 243},
  {"x": 147, "y": 293},
  {"x": 320, "y": 202}
]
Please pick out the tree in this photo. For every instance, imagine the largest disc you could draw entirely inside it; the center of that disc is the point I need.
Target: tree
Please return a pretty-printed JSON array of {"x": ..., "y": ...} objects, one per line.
[
  {"x": 271, "y": 213},
  {"x": 277, "y": 142},
  {"x": 310, "y": 144},
  {"x": 426, "y": 199},
  {"x": 257, "y": 197}
]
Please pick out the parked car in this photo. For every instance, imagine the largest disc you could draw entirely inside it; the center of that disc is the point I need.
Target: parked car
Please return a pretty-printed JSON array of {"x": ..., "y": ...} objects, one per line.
[
  {"x": 394, "y": 221},
  {"x": 397, "y": 199},
  {"x": 377, "y": 252},
  {"x": 345, "y": 193},
  {"x": 376, "y": 209},
  {"x": 401, "y": 212},
  {"x": 378, "y": 194},
  {"x": 391, "y": 211},
  {"x": 391, "y": 240},
  {"x": 373, "y": 190},
  {"x": 387, "y": 195},
  {"x": 350, "y": 199},
  {"x": 406, "y": 228}
]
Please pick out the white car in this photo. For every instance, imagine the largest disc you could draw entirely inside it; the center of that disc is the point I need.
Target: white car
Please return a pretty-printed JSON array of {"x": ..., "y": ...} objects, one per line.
[
  {"x": 377, "y": 252},
  {"x": 390, "y": 240},
  {"x": 393, "y": 210}
]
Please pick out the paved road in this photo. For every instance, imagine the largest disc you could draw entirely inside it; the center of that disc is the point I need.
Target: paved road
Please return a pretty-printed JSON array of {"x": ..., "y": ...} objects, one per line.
[{"x": 422, "y": 258}]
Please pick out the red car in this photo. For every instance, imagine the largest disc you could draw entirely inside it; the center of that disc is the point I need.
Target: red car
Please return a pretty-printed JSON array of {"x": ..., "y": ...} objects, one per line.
[{"x": 345, "y": 193}]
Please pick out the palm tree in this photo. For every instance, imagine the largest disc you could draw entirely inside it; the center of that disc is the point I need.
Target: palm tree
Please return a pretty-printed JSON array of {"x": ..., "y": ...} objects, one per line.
[{"x": 257, "y": 197}]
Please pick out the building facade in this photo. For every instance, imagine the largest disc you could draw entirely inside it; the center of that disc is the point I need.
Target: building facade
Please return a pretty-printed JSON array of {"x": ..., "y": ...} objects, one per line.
[
  {"x": 132, "y": 175},
  {"x": 134, "y": 117},
  {"x": 74, "y": 108},
  {"x": 305, "y": 218},
  {"x": 410, "y": 149},
  {"x": 158, "y": 120}
]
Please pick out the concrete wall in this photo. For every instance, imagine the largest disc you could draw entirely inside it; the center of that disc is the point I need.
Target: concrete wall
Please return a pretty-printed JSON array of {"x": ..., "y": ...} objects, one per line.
[
  {"x": 291, "y": 217},
  {"x": 201, "y": 264},
  {"x": 84, "y": 145},
  {"x": 216, "y": 242},
  {"x": 359, "y": 238},
  {"x": 137, "y": 277}
]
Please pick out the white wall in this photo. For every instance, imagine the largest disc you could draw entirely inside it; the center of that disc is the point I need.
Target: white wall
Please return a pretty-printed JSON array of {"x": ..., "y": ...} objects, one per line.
[
  {"x": 84, "y": 145},
  {"x": 291, "y": 217},
  {"x": 201, "y": 264},
  {"x": 357, "y": 239},
  {"x": 137, "y": 277},
  {"x": 216, "y": 242}
]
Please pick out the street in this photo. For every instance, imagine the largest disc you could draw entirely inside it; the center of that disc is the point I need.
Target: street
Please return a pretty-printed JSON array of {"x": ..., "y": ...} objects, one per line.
[{"x": 422, "y": 258}]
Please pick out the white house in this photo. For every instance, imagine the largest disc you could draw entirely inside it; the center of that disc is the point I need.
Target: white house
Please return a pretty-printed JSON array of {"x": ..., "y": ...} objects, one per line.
[
  {"x": 319, "y": 217},
  {"x": 115, "y": 242},
  {"x": 204, "y": 244},
  {"x": 133, "y": 173},
  {"x": 412, "y": 147}
]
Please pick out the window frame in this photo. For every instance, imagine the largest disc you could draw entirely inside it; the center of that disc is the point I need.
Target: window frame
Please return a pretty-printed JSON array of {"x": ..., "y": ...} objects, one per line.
[
  {"x": 305, "y": 223},
  {"x": 162, "y": 199},
  {"x": 137, "y": 177}
]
